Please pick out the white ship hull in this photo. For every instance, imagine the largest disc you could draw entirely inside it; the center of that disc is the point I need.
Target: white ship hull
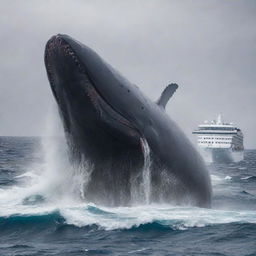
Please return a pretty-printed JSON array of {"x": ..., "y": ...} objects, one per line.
[
  {"x": 221, "y": 155},
  {"x": 220, "y": 142}
]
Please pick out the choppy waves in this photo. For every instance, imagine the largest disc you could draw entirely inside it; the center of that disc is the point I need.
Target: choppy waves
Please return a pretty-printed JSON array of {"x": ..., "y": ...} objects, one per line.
[
  {"x": 35, "y": 203},
  {"x": 40, "y": 201},
  {"x": 36, "y": 210}
]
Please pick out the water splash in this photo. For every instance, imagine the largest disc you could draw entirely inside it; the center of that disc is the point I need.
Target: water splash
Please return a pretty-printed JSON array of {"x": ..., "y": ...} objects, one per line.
[
  {"x": 146, "y": 172},
  {"x": 141, "y": 182},
  {"x": 54, "y": 179},
  {"x": 64, "y": 178}
]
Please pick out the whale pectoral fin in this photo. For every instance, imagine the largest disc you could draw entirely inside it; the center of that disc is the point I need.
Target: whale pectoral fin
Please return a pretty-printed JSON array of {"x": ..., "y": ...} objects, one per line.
[{"x": 167, "y": 94}]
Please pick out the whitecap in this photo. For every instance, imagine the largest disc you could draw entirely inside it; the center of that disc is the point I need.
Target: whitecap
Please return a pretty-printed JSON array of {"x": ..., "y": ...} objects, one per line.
[{"x": 246, "y": 178}]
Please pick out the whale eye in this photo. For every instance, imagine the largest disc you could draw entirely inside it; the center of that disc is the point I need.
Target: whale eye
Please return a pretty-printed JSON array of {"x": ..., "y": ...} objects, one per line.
[
  {"x": 128, "y": 90},
  {"x": 142, "y": 107}
]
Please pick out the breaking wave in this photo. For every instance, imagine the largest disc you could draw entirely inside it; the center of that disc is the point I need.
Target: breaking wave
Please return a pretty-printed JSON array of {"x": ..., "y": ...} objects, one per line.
[{"x": 89, "y": 215}]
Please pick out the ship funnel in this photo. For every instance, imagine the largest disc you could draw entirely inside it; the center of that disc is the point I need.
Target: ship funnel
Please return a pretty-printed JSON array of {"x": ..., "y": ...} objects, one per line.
[{"x": 219, "y": 119}]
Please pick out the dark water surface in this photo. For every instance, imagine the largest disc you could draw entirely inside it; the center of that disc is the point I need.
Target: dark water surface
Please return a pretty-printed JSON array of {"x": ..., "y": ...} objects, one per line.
[{"x": 40, "y": 213}]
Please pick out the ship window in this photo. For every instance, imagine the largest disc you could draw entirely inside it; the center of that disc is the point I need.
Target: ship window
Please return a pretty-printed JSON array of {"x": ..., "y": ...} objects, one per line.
[{"x": 217, "y": 128}]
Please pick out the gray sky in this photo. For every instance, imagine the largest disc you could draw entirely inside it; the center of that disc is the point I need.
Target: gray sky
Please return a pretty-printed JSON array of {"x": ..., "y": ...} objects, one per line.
[{"x": 207, "y": 46}]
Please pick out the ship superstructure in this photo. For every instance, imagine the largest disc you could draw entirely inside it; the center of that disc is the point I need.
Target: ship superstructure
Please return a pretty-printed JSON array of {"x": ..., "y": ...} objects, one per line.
[{"x": 219, "y": 141}]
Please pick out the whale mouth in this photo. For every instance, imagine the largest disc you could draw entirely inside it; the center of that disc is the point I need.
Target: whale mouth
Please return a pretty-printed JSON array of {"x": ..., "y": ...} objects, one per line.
[
  {"x": 58, "y": 47},
  {"x": 61, "y": 62}
]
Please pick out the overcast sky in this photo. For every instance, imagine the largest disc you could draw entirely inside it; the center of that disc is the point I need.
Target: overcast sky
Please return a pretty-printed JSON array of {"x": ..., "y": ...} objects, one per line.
[{"x": 207, "y": 46}]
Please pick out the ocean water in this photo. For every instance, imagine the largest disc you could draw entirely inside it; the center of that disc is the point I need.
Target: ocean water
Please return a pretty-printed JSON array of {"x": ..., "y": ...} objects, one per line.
[{"x": 42, "y": 210}]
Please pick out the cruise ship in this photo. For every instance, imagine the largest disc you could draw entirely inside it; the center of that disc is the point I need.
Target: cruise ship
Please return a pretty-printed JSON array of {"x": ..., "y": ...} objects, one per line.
[{"x": 219, "y": 141}]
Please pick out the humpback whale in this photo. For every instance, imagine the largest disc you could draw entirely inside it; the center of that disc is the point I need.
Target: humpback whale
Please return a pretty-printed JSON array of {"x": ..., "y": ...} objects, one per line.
[{"x": 135, "y": 151}]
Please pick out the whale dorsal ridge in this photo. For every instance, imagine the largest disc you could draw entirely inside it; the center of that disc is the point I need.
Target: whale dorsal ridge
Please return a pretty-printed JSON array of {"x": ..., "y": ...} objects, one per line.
[{"x": 167, "y": 94}]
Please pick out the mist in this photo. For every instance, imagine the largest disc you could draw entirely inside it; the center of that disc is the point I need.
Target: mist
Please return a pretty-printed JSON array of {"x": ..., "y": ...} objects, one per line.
[{"x": 208, "y": 47}]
